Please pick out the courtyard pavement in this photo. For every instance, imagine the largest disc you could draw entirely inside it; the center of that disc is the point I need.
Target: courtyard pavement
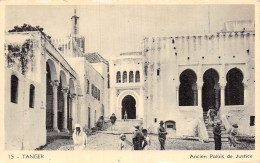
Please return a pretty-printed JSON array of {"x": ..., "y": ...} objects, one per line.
[{"x": 103, "y": 141}]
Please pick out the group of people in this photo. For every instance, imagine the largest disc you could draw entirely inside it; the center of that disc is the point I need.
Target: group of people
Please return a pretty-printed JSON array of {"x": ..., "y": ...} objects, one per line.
[
  {"x": 141, "y": 140},
  {"x": 216, "y": 124}
]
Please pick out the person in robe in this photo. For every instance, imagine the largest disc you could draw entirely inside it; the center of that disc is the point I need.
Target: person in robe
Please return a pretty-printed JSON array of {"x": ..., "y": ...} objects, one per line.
[
  {"x": 146, "y": 141},
  {"x": 211, "y": 115},
  {"x": 232, "y": 133},
  {"x": 137, "y": 138},
  {"x": 79, "y": 138}
]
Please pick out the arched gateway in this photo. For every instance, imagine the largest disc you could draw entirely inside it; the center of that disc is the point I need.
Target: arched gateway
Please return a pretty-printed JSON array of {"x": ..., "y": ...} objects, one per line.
[{"x": 129, "y": 107}]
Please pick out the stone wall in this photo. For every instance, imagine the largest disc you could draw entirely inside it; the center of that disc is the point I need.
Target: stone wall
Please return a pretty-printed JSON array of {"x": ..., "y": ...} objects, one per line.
[{"x": 25, "y": 126}]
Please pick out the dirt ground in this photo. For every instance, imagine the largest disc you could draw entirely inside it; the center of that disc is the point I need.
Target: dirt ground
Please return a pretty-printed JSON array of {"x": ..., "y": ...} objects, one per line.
[{"x": 102, "y": 141}]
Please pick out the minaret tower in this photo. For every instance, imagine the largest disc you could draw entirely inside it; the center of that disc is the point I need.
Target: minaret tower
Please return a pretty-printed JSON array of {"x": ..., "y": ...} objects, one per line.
[{"x": 75, "y": 24}]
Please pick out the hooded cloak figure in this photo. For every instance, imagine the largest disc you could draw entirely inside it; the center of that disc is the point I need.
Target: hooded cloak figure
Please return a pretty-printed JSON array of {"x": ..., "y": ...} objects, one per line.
[{"x": 79, "y": 138}]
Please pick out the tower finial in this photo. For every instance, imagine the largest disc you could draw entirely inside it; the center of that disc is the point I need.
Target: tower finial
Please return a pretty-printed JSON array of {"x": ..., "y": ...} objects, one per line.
[{"x": 75, "y": 12}]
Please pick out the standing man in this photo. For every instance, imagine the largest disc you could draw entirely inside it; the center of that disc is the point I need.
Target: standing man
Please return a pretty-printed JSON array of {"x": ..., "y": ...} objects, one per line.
[
  {"x": 113, "y": 120},
  {"x": 217, "y": 135},
  {"x": 162, "y": 135},
  {"x": 125, "y": 116},
  {"x": 137, "y": 138}
]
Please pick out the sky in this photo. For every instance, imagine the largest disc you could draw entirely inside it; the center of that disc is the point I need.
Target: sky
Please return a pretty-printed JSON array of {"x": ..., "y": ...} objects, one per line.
[{"x": 114, "y": 29}]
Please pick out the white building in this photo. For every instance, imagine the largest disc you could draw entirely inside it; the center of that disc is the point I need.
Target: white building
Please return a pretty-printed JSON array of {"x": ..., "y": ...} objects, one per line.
[
  {"x": 50, "y": 88},
  {"x": 184, "y": 75},
  {"x": 126, "y": 86}
]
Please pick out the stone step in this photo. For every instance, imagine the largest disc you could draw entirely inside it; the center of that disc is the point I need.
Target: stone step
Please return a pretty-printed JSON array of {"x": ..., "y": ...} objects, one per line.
[
  {"x": 126, "y": 126},
  {"x": 222, "y": 139},
  {"x": 222, "y": 135}
]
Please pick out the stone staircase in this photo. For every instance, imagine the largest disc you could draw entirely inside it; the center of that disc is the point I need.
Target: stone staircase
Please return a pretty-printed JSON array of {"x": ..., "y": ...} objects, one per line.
[
  {"x": 224, "y": 136},
  {"x": 122, "y": 126}
]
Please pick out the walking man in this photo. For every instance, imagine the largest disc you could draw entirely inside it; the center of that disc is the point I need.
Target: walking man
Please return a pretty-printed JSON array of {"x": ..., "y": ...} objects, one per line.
[
  {"x": 217, "y": 135},
  {"x": 162, "y": 135}
]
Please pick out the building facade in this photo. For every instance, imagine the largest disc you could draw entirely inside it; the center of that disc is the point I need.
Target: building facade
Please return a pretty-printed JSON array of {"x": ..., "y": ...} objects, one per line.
[
  {"x": 41, "y": 91},
  {"x": 50, "y": 86},
  {"x": 126, "y": 86},
  {"x": 185, "y": 75}
]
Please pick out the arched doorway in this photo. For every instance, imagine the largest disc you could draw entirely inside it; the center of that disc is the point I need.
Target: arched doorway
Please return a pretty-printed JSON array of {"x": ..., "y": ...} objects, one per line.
[
  {"x": 49, "y": 98},
  {"x": 129, "y": 106},
  {"x": 234, "y": 90},
  {"x": 210, "y": 90},
  {"x": 188, "y": 89}
]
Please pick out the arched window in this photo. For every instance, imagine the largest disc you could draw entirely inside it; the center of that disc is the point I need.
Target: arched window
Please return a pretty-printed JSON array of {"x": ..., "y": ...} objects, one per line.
[
  {"x": 234, "y": 90},
  {"x": 14, "y": 89},
  {"x": 124, "y": 77},
  {"x": 137, "y": 76},
  {"x": 131, "y": 77},
  {"x": 118, "y": 77},
  {"x": 32, "y": 94},
  {"x": 188, "y": 88}
]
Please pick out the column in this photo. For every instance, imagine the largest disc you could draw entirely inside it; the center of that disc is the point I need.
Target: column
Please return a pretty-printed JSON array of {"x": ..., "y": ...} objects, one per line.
[
  {"x": 141, "y": 104},
  {"x": 73, "y": 109},
  {"x": 246, "y": 94},
  {"x": 55, "y": 85},
  {"x": 222, "y": 97},
  {"x": 199, "y": 87},
  {"x": 216, "y": 91},
  {"x": 194, "y": 90},
  {"x": 65, "y": 113},
  {"x": 177, "y": 96}
]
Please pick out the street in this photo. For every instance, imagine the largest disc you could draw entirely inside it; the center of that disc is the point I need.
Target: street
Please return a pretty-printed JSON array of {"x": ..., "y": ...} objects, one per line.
[{"x": 101, "y": 141}]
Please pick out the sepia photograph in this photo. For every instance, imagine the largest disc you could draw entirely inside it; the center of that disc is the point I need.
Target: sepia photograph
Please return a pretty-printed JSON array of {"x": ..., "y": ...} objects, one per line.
[{"x": 129, "y": 77}]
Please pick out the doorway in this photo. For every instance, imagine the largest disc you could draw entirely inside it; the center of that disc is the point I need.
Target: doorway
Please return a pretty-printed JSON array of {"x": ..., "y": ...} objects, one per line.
[
  {"x": 128, "y": 107},
  {"x": 210, "y": 90}
]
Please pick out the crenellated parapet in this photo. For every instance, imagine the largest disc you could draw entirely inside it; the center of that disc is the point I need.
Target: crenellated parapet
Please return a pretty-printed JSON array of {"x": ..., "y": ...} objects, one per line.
[{"x": 193, "y": 49}]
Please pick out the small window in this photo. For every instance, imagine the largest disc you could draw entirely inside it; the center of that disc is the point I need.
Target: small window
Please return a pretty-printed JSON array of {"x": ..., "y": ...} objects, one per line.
[
  {"x": 14, "y": 89},
  {"x": 124, "y": 77},
  {"x": 158, "y": 72},
  {"x": 137, "y": 76},
  {"x": 87, "y": 86},
  {"x": 252, "y": 120},
  {"x": 96, "y": 92},
  {"x": 32, "y": 94},
  {"x": 131, "y": 77},
  {"x": 92, "y": 90},
  {"x": 118, "y": 77},
  {"x": 169, "y": 126},
  {"x": 98, "y": 95}
]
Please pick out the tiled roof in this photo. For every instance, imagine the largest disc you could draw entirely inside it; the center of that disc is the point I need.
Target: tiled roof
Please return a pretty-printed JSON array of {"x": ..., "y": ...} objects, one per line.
[{"x": 95, "y": 58}]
